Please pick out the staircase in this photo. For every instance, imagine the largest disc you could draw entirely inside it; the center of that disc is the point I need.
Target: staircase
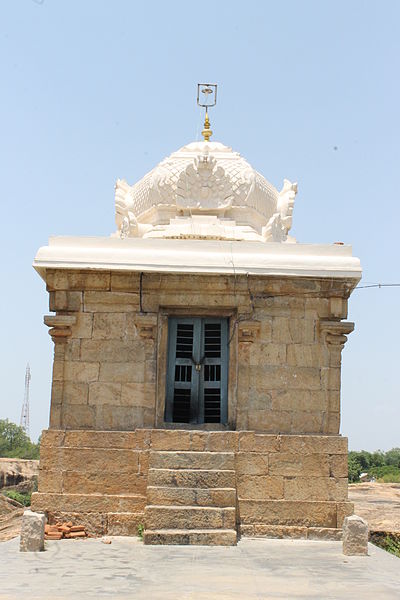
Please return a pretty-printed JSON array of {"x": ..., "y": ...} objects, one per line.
[{"x": 191, "y": 498}]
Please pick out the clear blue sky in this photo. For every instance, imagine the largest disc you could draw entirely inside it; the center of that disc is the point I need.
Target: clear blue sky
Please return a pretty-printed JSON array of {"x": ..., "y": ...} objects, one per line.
[{"x": 308, "y": 90}]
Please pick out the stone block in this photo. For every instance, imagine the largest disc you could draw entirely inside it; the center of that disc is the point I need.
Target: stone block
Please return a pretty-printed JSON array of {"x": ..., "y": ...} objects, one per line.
[
  {"x": 338, "y": 465},
  {"x": 128, "y": 440},
  {"x": 72, "y": 349},
  {"x": 223, "y": 441},
  {"x": 299, "y": 400},
  {"x": 170, "y": 496},
  {"x": 125, "y": 282},
  {"x": 95, "y": 460},
  {"x": 86, "y": 503},
  {"x": 265, "y": 334},
  {"x": 330, "y": 378},
  {"x": 191, "y": 479},
  {"x": 193, "y": 517},
  {"x": 77, "y": 280},
  {"x": 111, "y": 351},
  {"x": 333, "y": 423},
  {"x": 324, "y": 533},
  {"x": 110, "y": 301},
  {"x": 281, "y": 532},
  {"x": 51, "y": 438},
  {"x": 57, "y": 393},
  {"x": 251, "y": 463},
  {"x": 50, "y": 480},
  {"x": 55, "y": 416},
  {"x": 78, "y": 416},
  {"x": 138, "y": 394},
  {"x": 254, "y": 442},
  {"x": 192, "y": 460},
  {"x": 75, "y": 393},
  {"x": 285, "y": 377},
  {"x": 32, "y": 532},
  {"x": 285, "y": 512},
  {"x": 62, "y": 301},
  {"x": 105, "y": 393},
  {"x": 267, "y": 354},
  {"x": 313, "y": 444},
  {"x": 270, "y": 421},
  {"x": 109, "y": 326},
  {"x": 343, "y": 509},
  {"x": 124, "y": 523},
  {"x": 355, "y": 536},
  {"x": 259, "y": 487},
  {"x": 198, "y": 440},
  {"x": 89, "y": 280},
  {"x": 307, "y": 421},
  {"x": 288, "y": 330},
  {"x": 318, "y": 307},
  {"x": 299, "y": 465},
  {"x": 81, "y": 372},
  {"x": 76, "y": 482},
  {"x": 315, "y": 488},
  {"x": 83, "y": 325},
  {"x": 304, "y": 355},
  {"x": 210, "y": 537},
  {"x": 170, "y": 439},
  {"x": 254, "y": 399},
  {"x": 338, "y": 307},
  {"x": 122, "y": 372}
]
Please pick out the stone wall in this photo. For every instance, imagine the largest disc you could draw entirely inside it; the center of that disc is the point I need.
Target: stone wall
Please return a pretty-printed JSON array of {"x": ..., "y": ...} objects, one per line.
[
  {"x": 110, "y": 333},
  {"x": 286, "y": 485}
]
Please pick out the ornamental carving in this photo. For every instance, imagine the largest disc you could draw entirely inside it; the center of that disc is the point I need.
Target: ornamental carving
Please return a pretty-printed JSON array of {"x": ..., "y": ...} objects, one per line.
[
  {"x": 205, "y": 179},
  {"x": 204, "y": 186},
  {"x": 335, "y": 332}
]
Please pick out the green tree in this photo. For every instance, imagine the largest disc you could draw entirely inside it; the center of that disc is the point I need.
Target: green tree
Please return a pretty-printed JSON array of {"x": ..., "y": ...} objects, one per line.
[
  {"x": 14, "y": 443},
  {"x": 392, "y": 457},
  {"x": 355, "y": 467}
]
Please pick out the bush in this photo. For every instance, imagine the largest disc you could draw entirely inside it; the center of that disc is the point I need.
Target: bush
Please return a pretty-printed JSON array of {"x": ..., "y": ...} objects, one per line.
[
  {"x": 24, "y": 499},
  {"x": 388, "y": 541},
  {"x": 386, "y": 474}
]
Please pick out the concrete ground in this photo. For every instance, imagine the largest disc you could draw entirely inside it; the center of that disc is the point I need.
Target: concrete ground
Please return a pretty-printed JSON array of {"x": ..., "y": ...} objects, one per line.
[{"x": 256, "y": 568}]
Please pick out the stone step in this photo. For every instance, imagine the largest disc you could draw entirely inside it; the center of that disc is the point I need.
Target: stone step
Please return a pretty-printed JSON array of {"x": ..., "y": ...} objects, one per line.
[
  {"x": 199, "y": 537},
  {"x": 192, "y": 460},
  {"x": 185, "y": 496},
  {"x": 192, "y": 478},
  {"x": 189, "y": 517}
]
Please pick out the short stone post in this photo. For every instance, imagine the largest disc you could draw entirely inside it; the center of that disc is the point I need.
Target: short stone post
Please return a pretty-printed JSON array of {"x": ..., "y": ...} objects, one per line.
[
  {"x": 32, "y": 532},
  {"x": 355, "y": 536}
]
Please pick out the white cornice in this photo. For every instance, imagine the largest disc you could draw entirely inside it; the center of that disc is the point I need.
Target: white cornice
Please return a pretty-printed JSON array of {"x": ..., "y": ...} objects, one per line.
[{"x": 198, "y": 256}]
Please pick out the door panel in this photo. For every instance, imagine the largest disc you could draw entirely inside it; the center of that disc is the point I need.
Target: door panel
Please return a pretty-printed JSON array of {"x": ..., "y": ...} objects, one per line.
[{"x": 197, "y": 375}]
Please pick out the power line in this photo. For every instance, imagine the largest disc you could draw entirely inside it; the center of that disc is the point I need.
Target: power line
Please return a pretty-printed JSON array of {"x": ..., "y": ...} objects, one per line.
[{"x": 377, "y": 285}]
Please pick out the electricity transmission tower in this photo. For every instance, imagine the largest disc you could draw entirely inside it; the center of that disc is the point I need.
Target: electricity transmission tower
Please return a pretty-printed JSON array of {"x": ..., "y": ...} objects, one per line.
[{"x": 24, "y": 423}]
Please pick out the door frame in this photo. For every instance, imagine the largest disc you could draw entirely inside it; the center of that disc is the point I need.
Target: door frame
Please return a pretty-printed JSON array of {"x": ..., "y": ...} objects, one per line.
[
  {"x": 197, "y": 383},
  {"x": 162, "y": 364}
]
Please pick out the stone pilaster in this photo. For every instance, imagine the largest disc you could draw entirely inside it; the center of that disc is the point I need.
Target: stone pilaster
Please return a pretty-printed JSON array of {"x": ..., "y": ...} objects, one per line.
[
  {"x": 60, "y": 331},
  {"x": 334, "y": 336}
]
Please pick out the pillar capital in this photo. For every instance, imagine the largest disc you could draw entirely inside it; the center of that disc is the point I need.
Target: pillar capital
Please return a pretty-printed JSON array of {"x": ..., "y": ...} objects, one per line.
[
  {"x": 335, "y": 332},
  {"x": 60, "y": 326}
]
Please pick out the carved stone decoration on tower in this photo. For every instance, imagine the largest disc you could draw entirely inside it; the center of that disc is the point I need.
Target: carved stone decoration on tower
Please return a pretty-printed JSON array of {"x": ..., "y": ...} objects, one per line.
[
  {"x": 205, "y": 178},
  {"x": 204, "y": 186}
]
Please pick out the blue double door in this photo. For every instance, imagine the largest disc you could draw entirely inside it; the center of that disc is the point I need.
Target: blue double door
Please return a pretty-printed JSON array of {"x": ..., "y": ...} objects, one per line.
[{"x": 197, "y": 372}]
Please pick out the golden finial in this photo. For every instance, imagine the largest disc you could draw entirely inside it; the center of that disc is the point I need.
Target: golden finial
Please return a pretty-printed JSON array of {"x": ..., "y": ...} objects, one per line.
[
  {"x": 209, "y": 98},
  {"x": 206, "y": 133}
]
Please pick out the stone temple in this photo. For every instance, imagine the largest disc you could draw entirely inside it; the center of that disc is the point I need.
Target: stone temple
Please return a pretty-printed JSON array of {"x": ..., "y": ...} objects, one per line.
[{"x": 197, "y": 361}]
